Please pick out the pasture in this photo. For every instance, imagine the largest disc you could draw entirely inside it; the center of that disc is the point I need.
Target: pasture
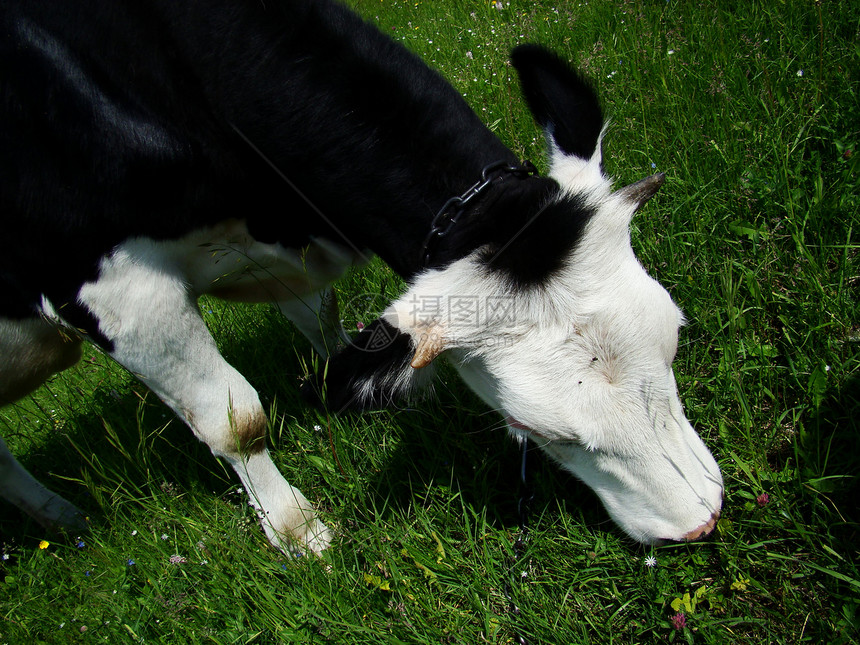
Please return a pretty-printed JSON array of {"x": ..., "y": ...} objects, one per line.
[{"x": 751, "y": 110}]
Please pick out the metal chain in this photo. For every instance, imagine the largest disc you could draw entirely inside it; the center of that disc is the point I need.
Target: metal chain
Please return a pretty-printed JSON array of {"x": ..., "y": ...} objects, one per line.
[
  {"x": 519, "y": 548},
  {"x": 451, "y": 211}
]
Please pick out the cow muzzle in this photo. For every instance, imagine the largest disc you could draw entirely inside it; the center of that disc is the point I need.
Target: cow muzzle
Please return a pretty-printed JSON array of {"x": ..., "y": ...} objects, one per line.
[{"x": 704, "y": 530}]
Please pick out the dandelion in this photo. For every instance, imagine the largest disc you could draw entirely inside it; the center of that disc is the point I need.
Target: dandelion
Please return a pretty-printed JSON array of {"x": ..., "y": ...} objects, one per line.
[
  {"x": 44, "y": 544},
  {"x": 650, "y": 561},
  {"x": 762, "y": 500},
  {"x": 679, "y": 621}
]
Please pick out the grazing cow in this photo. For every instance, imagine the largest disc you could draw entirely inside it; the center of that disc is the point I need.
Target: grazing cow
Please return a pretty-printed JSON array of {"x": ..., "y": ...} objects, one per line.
[{"x": 152, "y": 151}]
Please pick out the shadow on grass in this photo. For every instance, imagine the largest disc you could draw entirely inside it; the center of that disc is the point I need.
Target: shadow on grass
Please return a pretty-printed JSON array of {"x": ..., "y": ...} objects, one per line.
[
  {"x": 452, "y": 446},
  {"x": 829, "y": 456},
  {"x": 125, "y": 445},
  {"x": 446, "y": 444}
]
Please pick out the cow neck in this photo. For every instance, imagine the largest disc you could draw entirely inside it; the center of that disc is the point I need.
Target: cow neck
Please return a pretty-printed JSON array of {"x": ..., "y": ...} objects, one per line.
[{"x": 368, "y": 148}]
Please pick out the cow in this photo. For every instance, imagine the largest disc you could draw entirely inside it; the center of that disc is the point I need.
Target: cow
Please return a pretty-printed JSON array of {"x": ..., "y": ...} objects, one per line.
[{"x": 153, "y": 151}]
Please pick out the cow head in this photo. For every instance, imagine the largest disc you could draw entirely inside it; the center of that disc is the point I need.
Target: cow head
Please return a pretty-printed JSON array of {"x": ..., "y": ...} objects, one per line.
[{"x": 580, "y": 361}]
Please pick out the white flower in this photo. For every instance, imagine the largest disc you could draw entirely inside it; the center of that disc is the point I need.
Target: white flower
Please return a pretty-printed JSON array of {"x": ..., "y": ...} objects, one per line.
[
  {"x": 800, "y": 72},
  {"x": 670, "y": 52},
  {"x": 650, "y": 561}
]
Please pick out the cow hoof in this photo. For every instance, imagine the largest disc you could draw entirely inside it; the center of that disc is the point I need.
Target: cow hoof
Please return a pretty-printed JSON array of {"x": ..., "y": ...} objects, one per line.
[
  {"x": 61, "y": 515},
  {"x": 317, "y": 538},
  {"x": 313, "y": 537}
]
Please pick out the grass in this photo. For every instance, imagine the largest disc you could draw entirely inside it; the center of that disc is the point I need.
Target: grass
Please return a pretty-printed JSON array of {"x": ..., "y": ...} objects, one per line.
[{"x": 751, "y": 109}]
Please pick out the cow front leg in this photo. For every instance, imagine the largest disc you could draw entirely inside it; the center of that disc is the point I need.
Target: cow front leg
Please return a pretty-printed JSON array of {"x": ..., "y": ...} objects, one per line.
[{"x": 155, "y": 330}]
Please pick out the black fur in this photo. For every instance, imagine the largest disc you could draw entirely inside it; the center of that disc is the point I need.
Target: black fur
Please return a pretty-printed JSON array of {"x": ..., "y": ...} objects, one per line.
[
  {"x": 155, "y": 118},
  {"x": 549, "y": 83},
  {"x": 117, "y": 120},
  {"x": 534, "y": 237},
  {"x": 373, "y": 363}
]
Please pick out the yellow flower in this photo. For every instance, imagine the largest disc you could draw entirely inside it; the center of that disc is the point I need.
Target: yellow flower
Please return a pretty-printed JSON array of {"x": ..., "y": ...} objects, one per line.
[
  {"x": 740, "y": 584},
  {"x": 44, "y": 544}
]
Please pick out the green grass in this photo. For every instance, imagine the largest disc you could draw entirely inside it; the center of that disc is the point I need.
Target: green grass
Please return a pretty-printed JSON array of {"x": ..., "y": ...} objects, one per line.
[{"x": 751, "y": 109}]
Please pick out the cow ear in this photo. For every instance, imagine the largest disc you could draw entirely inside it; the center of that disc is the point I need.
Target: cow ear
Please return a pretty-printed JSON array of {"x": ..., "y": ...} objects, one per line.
[{"x": 562, "y": 102}]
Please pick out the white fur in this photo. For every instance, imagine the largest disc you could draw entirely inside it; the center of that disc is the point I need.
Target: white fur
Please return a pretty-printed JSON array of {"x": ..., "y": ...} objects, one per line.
[
  {"x": 584, "y": 369},
  {"x": 145, "y": 301},
  {"x": 578, "y": 176}
]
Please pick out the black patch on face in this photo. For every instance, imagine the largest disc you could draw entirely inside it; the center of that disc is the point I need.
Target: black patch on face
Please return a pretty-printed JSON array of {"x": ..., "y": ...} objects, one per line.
[{"x": 379, "y": 354}]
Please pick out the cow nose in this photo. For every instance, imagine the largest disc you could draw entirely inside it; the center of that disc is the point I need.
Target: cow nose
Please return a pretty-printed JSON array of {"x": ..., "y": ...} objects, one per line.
[{"x": 704, "y": 530}]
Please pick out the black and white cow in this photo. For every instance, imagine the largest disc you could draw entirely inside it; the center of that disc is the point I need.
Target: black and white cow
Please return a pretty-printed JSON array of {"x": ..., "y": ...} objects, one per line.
[{"x": 152, "y": 151}]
